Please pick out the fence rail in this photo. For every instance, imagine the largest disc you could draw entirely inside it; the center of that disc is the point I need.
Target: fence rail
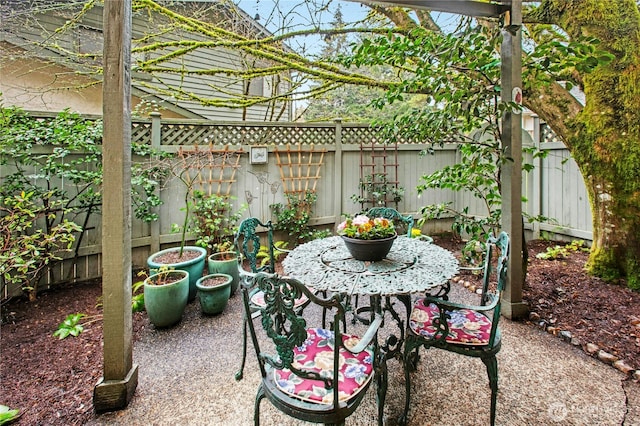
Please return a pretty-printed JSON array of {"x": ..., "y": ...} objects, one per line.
[{"x": 554, "y": 189}]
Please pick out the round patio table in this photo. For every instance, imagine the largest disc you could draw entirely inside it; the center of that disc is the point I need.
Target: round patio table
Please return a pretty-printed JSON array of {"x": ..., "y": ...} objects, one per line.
[{"x": 411, "y": 266}]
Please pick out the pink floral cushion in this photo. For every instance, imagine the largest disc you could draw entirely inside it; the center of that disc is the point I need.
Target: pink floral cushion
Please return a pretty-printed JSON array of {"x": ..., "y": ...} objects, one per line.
[
  {"x": 257, "y": 299},
  {"x": 466, "y": 327},
  {"x": 316, "y": 354}
]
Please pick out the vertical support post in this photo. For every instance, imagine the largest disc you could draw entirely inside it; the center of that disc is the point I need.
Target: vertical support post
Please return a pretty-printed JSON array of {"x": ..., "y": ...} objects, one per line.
[
  {"x": 511, "y": 54},
  {"x": 337, "y": 169},
  {"x": 537, "y": 179},
  {"x": 156, "y": 138},
  {"x": 120, "y": 377}
]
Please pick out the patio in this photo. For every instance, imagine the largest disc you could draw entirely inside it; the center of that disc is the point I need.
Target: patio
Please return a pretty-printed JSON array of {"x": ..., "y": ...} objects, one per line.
[{"x": 186, "y": 377}]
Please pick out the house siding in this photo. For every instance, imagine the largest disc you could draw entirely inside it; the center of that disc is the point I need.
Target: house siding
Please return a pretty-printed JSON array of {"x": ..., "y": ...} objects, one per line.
[{"x": 23, "y": 32}]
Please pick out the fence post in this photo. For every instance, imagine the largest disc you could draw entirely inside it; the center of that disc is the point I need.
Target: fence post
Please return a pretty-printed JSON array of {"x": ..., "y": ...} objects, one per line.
[
  {"x": 337, "y": 168},
  {"x": 156, "y": 138},
  {"x": 537, "y": 179}
]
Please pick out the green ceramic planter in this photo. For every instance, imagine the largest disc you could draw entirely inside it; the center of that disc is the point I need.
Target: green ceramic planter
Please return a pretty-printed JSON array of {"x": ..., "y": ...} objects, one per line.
[
  {"x": 165, "y": 303},
  {"x": 195, "y": 267},
  {"x": 225, "y": 262},
  {"x": 213, "y": 299}
]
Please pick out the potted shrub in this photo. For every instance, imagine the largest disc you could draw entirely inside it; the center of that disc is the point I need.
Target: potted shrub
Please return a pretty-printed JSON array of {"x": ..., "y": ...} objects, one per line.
[
  {"x": 214, "y": 291},
  {"x": 165, "y": 296},
  {"x": 187, "y": 258},
  {"x": 214, "y": 224}
]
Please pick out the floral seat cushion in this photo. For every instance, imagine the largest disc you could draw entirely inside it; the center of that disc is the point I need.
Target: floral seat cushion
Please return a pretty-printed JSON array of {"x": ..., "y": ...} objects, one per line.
[
  {"x": 466, "y": 327},
  {"x": 257, "y": 299},
  {"x": 316, "y": 354}
]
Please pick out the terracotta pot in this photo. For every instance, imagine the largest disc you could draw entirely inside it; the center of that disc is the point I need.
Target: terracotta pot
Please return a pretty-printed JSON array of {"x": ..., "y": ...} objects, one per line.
[{"x": 369, "y": 250}]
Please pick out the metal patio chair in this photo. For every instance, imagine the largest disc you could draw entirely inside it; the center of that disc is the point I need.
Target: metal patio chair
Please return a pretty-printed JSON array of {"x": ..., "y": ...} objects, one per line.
[
  {"x": 248, "y": 246},
  {"x": 467, "y": 330},
  {"x": 313, "y": 374}
]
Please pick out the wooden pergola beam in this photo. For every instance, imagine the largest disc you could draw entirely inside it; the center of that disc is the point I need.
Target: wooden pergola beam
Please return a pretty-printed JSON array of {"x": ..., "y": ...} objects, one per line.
[
  {"x": 478, "y": 8},
  {"x": 511, "y": 78}
]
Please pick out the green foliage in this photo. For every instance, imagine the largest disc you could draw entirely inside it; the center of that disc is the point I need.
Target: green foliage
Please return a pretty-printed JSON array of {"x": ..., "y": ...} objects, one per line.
[
  {"x": 44, "y": 153},
  {"x": 214, "y": 221},
  {"x": 51, "y": 187},
  {"x": 70, "y": 326},
  {"x": 293, "y": 217},
  {"x": 473, "y": 253},
  {"x": 137, "y": 298},
  {"x": 26, "y": 248},
  {"x": 478, "y": 173},
  {"x": 279, "y": 249},
  {"x": 557, "y": 57},
  {"x": 562, "y": 252},
  {"x": 461, "y": 74},
  {"x": 147, "y": 177},
  {"x": 8, "y": 415},
  {"x": 39, "y": 156}
]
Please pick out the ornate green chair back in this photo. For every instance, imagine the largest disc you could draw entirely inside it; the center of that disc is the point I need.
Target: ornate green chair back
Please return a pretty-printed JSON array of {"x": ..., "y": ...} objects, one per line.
[
  {"x": 248, "y": 244},
  {"x": 401, "y": 221},
  {"x": 284, "y": 324},
  {"x": 489, "y": 296}
]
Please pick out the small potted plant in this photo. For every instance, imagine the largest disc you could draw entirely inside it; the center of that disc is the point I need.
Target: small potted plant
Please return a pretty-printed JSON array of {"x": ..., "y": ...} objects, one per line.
[
  {"x": 190, "y": 259},
  {"x": 165, "y": 296},
  {"x": 214, "y": 291},
  {"x": 368, "y": 239},
  {"x": 214, "y": 224}
]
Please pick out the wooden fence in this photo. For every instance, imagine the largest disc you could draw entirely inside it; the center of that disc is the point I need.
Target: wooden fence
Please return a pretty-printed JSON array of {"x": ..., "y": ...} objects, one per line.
[{"x": 269, "y": 158}]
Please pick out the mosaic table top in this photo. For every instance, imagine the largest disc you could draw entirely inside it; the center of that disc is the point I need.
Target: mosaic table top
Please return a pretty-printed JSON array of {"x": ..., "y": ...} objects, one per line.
[{"x": 411, "y": 266}]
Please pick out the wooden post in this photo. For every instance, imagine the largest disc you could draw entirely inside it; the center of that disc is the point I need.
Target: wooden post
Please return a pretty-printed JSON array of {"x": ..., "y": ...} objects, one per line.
[
  {"x": 337, "y": 168},
  {"x": 156, "y": 138},
  {"x": 511, "y": 73},
  {"x": 120, "y": 377},
  {"x": 536, "y": 179}
]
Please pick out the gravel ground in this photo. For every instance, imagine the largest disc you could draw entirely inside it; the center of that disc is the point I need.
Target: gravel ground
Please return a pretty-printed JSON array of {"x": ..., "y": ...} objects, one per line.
[{"x": 542, "y": 381}]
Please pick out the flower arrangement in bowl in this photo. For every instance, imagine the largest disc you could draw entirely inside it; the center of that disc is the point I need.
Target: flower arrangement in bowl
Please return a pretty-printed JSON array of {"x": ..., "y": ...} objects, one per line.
[
  {"x": 368, "y": 239},
  {"x": 365, "y": 228}
]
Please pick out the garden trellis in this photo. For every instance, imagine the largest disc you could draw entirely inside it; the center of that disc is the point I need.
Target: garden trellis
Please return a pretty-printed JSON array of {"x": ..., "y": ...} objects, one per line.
[
  {"x": 211, "y": 170},
  {"x": 299, "y": 168}
]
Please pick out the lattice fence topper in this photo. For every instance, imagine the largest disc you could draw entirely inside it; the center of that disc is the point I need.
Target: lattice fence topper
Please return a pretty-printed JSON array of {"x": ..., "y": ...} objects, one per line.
[
  {"x": 213, "y": 171},
  {"x": 547, "y": 134},
  {"x": 299, "y": 168}
]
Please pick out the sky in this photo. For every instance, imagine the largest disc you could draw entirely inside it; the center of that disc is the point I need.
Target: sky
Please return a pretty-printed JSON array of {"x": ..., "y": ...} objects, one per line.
[
  {"x": 301, "y": 14},
  {"x": 304, "y": 14}
]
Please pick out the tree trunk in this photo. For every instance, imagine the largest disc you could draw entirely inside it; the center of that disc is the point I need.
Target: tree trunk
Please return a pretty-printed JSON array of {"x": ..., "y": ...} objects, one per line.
[{"x": 604, "y": 136}]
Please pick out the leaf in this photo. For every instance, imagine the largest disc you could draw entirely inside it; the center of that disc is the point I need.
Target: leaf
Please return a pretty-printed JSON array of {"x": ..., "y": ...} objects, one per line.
[
  {"x": 7, "y": 415},
  {"x": 70, "y": 326}
]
